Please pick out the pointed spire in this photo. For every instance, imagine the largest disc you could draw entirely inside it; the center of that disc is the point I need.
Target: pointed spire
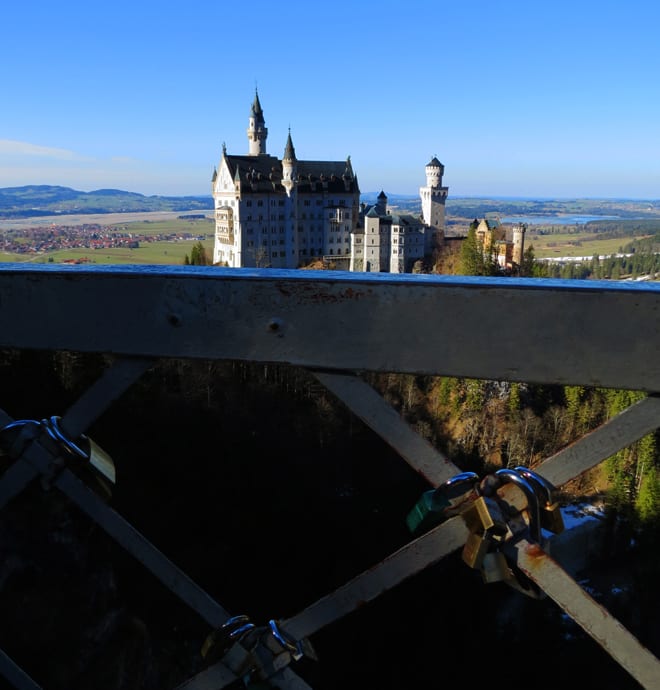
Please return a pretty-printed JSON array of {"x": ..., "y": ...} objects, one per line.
[
  {"x": 256, "y": 110},
  {"x": 289, "y": 151},
  {"x": 224, "y": 149}
]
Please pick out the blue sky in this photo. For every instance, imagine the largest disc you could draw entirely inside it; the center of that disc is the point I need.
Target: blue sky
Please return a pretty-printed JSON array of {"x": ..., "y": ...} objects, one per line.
[{"x": 515, "y": 98}]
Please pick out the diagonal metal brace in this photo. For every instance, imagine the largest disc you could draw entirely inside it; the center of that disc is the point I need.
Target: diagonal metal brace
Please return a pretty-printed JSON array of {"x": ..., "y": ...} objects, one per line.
[{"x": 594, "y": 619}]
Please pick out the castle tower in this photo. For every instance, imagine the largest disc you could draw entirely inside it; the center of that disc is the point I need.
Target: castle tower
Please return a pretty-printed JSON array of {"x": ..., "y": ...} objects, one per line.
[
  {"x": 519, "y": 245},
  {"x": 257, "y": 131},
  {"x": 289, "y": 166},
  {"x": 433, "y": 198},
  {"x": 381, "y": 204}
]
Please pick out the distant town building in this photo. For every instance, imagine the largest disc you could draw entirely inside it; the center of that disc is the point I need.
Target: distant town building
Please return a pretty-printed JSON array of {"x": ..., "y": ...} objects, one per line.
[{"x": 288, "y": 213}]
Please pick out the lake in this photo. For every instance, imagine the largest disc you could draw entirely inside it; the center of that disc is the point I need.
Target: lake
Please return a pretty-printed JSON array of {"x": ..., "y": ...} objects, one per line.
[{"x": 555, "y": 220}]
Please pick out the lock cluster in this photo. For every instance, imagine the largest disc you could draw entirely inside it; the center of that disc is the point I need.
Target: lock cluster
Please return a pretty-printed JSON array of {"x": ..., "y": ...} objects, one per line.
[{"x": 499, "y": 510}]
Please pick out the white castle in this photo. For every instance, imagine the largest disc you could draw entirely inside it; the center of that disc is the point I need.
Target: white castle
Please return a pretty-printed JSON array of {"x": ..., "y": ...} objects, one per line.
[{"x": 289, "y": 213}]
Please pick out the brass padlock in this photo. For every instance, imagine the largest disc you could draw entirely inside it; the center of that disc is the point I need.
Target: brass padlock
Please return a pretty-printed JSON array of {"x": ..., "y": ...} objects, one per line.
[
  {"x": 84, "y": 454},
  {"x": 531, "y": 512},
  {"x": 550, "y": 510},
  {"x": 475, "y": 549},
  {"x": 484, "y": 520},
  {"x": 101, "y": 461}
]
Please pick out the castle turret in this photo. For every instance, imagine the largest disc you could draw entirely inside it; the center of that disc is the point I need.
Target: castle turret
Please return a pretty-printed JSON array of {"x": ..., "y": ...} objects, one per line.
[
  {"x": 381, "y": 204},
  {"x": 289, "y": 166},
  {"x": 519, "y": 246},
  {"x": 257, "y": 131}
]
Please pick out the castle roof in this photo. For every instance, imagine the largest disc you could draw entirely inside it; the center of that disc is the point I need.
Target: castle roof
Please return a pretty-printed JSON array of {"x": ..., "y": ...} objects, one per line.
[
  {"x": 289, "y": 151},
  {"x": 264, "y": 173},
  {"x": 255, "y": 110},
  {"x": 434, "y": 163}
]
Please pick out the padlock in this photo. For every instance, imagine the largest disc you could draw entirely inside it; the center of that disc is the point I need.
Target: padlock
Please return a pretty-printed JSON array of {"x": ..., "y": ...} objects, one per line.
[
  {"x": 85, "y": 453},
  {"x": 531, "y": 511},
  {"x": 495, "y": 567},
  {"x": 436, "y": 505},
  {"x": 550, "y": 510},
  {"x": 486, "y": 524},
  {"x": 475, "y": 549},
  {"x": 484, "y": 515},
  {"x": 427, "y": 512},
  {"x": 101, "y": 461}
]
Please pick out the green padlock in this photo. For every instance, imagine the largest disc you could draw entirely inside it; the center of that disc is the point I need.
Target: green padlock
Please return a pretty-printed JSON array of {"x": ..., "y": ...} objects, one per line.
[
  {"x": 436, "y": 505},
  {"x": 428, "y": 511}
]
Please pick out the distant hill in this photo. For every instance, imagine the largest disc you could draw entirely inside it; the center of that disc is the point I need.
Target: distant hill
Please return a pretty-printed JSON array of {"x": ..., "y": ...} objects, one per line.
[{"x": 47, "y": 200}]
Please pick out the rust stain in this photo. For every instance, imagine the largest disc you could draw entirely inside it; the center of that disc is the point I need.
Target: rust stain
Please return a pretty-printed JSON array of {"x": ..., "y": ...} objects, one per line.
[
  {"x": 534, "y": 551},
  {"x": 311, "y": 294}
]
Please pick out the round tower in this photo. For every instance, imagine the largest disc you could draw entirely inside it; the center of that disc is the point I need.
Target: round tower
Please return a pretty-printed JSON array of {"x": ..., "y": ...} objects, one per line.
[
  {"x": 433, "y": 198},
  {"x": 434, "y": 172},
  {"x": 519, "y": 245},
  {"x": 257, "y": 131}
]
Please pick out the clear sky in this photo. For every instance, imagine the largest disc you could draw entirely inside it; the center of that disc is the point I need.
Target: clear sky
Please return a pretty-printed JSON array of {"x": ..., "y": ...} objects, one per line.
[{"x": 515, "y": 98}]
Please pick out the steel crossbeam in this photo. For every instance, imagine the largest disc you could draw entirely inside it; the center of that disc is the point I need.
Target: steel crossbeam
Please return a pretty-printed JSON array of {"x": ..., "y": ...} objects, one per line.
[
  {"x": 597, "y": 621},
  {"x": 367, "y": 404},
  {"x": 16, "y": 675}
]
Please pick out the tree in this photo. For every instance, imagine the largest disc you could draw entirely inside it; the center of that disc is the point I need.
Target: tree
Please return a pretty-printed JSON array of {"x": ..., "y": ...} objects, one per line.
[
  {"x": 471, "y": 261},
  {"x": 198, "y": 256}
]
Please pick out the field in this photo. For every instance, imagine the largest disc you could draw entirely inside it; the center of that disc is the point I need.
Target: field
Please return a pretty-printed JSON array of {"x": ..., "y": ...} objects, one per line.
[
  {"x": 166, "y": 238},
  {"x": 170, "y": 239},
  {"x": 572, "y": 244}
]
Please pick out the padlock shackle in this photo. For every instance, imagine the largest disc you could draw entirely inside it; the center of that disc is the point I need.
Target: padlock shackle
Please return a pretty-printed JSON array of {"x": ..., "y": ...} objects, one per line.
[
  {"x": 515, "y": 477},
  {"x": 539, "y": 483},
  {"x": 461, "y": 478}
]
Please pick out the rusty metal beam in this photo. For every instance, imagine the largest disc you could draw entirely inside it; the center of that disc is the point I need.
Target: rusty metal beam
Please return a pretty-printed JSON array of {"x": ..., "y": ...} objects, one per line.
[
  {"x": 367, "y": 404},
  {"x": 439, "y": 325},
  {"x": 594, "y": 619}
]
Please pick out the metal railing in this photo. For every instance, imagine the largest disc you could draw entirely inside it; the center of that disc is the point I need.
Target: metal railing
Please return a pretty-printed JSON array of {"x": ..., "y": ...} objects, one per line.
[{"x": 338, "y": 326}]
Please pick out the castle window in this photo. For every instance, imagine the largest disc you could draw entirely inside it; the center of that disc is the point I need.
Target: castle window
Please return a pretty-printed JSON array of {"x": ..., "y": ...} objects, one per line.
[
  {"x": 280, "y": 202},
  {"x": 260, "y": 203},
  {"x": 306, "y": 202},
  {"x": 248, "y": 202}
]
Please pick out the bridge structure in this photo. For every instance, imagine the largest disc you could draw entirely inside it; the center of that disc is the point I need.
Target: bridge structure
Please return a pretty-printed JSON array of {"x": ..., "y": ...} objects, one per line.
[{"x": 338, "y": 326}]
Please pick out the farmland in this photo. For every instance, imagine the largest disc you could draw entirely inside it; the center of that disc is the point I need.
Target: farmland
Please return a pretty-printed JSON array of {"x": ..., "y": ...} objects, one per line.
[{"x": 164, "y": 239}]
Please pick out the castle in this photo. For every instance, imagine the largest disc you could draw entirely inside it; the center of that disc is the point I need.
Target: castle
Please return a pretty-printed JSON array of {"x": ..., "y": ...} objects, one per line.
[{"x": 288, "y": 213}]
